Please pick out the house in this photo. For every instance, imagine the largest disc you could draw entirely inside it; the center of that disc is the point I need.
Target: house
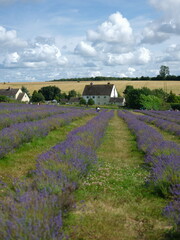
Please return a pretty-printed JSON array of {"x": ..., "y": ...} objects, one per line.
[
  {"x": 15, "y": 93},
  {"x": 101, "y": 94},
  {"x": 119, "y": 101}
]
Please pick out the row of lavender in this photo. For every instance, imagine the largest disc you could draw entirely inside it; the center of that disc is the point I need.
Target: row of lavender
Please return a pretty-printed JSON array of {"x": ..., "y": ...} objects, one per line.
[
  {"x": 163, "y": 158},
  {"x": 165, "y": 125},
  {"x": 170, "y": 116},
  {"x": 20, "y": 107},
  {"x": 35, "y": 210},
  {"x": 17, "y": 134}
]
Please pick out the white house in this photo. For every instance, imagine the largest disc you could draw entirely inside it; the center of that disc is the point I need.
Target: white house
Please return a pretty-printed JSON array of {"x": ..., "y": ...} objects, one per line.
[
  {"x": 101, "y": 94},
  {"x": 15, "y": 93}
]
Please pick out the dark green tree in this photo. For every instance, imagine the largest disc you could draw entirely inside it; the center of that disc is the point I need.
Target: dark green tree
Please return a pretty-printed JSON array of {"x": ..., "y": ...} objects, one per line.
[
  {"x": 72, "y": 93},
  {"x": 172, "y": 98},
  {"x": 50, "y": 92},
  {"x": 164, "y": 71},
  {"x": 25, "y": 90},
  {"x": 37, "y": 97}
]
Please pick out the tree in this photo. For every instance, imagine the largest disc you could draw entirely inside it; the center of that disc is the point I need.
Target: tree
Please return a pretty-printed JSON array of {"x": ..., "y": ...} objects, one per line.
[
  {"x": 72, "y": 93},
  {"x": 25, "y": 90},
  {"x": 164, "y": 71},
  {"x": 37, "y": 97},
  {"x": 90, "y": 101},
  {"x": 172, "y": 98},
  {"x": 128, "y": 89},
  {"x": 50, "y": 92}
]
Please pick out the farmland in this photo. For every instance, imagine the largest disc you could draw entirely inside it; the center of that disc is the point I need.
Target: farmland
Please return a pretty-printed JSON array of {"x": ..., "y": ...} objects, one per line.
[
  {"x": 79, "y": 86},
  {"x": 119, "y": 168}
]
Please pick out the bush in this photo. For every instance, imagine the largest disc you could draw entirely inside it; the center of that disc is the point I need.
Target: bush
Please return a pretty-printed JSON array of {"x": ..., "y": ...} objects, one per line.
[
  {"x": 175, "y": 106},
  {"x": 4, "y": 99},
  {"x": 90, "y": 101}
]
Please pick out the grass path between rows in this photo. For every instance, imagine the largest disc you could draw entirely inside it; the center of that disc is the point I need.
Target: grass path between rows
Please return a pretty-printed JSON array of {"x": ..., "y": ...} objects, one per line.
[
  {"x": 113, "y": 203},
  {"x": 18, "y": 164}
]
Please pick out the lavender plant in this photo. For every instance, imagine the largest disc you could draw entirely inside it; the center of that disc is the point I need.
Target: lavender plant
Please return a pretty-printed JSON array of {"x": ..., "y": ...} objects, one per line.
[
  {"x": 35, "y": 209},
  {"x": 162, "y": 157},
  {"x": 171, "y": 127},
  {"x": 13, "y": 136}
]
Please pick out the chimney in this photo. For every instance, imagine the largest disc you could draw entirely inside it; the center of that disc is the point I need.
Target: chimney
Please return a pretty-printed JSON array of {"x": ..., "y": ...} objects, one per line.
[
  {"x": 108, "y": 83},
  {"x": 91, "y": 83}
]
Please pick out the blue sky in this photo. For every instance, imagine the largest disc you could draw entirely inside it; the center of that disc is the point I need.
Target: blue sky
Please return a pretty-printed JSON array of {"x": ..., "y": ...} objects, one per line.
[{"x": 41, "y": 40}]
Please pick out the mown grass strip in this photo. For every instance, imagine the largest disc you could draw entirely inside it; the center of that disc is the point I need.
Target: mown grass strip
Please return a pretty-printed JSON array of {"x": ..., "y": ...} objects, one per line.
[
  {"x": 18, "y": 164},
  {"x": 113, "y": 203}
]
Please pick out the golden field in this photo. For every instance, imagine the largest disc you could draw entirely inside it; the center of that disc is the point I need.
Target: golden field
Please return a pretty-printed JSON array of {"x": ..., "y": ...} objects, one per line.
[{"x": 79, "y": 86}]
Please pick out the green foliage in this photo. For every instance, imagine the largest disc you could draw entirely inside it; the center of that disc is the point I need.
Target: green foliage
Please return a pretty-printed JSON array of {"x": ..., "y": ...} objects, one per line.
[
  {"x": 50, "y": 92},
  {"x": 150, "y": 102},
  {"x": 175, "y": 106},
  {"x": 172, "y": 98},
  {"x": 72, "y": 93},
  {"x": 145, "y": 98},
  {"x": 4, "y": 99},
  {"x": 25, "y": 90},
  {"x": 90, "y": 101},
  {"x": 82, "y": 101},
  {"x": 160, "y": 93},
  {"x": 37, "y": 97}
]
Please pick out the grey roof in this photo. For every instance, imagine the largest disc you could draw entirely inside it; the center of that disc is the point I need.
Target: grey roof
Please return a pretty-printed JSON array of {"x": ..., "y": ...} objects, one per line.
[
  {"x": 20, "y": 96},
  {"x": 74, "y": 100},
  {"x": 9, "y": 92},
  {"x": 116, "y": 100},
  {"x": 98, "y": 90}
]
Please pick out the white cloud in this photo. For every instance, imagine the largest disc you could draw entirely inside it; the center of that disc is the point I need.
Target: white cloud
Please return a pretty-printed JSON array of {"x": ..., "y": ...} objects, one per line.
[
  {"x": 131, "y": 70},
  {"x": 152, "y": 35},
  {"x": 85, "y": 50},
  {"x": 172, "y": 53},
  {"x": 143, "y": 55},
  {"x": 116, "y": 29},
  {"x": 95, "y": 74},
  {"x": 11, "y": 59},
  {"x": 9, "y": 39},
  {"x": 162, "y": 29},
  {"x": 138, "y": 57}
]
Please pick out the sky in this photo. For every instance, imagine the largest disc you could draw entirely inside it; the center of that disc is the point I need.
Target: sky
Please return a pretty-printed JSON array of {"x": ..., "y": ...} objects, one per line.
[{"x": 42, "y": 40}]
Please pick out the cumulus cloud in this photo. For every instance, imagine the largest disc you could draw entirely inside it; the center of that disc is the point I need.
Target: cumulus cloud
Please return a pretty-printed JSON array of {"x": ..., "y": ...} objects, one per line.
[
  {"x": 139, "y": 57},
  {"x": 9, "y": 39},
  {"x": 85, "y": 50},
  {"x": 11, "y": 59},
  {"x": 116, "y": 29},
  {"x": 162, "y": 29},
  {"x": 36, "y": 56},
  {"x": 172, "y": 53}
]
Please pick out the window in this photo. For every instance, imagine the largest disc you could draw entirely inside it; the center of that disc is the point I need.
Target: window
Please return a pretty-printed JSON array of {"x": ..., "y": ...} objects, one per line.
[
  {"x": 93, "y": 96},
  {"x": 104, "y": 96}
]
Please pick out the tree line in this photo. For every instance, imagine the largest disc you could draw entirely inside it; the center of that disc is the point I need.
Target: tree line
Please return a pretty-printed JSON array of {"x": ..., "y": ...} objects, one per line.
[{"x": 164, "y": 74}]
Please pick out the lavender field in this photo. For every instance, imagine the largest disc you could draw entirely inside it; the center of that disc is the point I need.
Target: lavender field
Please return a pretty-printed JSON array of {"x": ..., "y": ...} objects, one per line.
[{"x": 35, "y": 205}]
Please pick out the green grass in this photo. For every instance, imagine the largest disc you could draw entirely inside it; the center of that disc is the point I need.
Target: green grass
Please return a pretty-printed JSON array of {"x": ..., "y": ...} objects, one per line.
[
  {"x": 113, "y": 202},
  {"x": 18, "y": 164}
]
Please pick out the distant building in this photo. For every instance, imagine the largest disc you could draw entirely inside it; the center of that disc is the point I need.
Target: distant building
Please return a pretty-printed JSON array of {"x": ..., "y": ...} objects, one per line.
[
  {"x": 15, "y": 93},
  {"x": 102, "y": 94}
]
